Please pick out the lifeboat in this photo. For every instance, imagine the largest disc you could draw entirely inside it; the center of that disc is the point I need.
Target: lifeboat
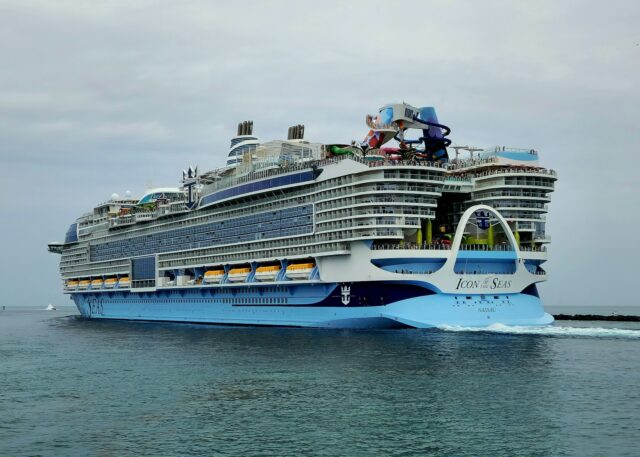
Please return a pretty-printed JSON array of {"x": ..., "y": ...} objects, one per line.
[
  {"x": 124, "y": 281},
  {"x": 267, "y": 273},
  {"x": 300, "y": 270},
  {"x": 72, "y": 284},
  {"x": 110, "y": 283},
  {"x": 96, "y": 284},
  {"x": 84, "y": 284},
  {"x": 213, "y": 276},
  {"x": 238, "y": 274}
]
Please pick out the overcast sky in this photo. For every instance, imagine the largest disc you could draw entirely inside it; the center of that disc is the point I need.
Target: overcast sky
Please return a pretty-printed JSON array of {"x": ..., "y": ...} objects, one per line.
[{"x": 96, "y": 99}]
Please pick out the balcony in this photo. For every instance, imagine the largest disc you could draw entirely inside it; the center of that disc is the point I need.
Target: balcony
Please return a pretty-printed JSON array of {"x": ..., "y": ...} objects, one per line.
[{"x": 542, "y": 238}]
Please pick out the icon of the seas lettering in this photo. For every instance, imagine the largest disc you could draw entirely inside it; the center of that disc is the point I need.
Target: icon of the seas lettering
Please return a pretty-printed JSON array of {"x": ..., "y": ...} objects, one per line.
[{"x": 486, "y": 283}]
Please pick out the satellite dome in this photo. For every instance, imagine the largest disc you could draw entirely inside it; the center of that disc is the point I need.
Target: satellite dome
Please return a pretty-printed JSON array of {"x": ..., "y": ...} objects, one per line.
[
  {"x": 127, "y": 194},
  {"x": 115, "y": 196}
]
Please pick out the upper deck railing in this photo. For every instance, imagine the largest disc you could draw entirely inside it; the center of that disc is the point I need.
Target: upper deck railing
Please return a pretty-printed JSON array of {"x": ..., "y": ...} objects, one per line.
[
  {"x": 307, "y": 165},
  {"x": 447, "y": 247},
  {"x": 512, "y": 170}
]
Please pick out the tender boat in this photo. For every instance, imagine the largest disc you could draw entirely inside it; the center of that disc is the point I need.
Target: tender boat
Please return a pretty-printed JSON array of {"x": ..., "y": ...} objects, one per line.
[
  {"x": 267, "y": 272},
  {"x": 213, "y": 276},
  {"x": 238, "y": 274},
  {"x": 299, "y": 270}
]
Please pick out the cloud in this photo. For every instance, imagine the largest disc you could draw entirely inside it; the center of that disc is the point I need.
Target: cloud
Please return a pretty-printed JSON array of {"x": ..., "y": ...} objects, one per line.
[{"x": 101, "y": 97}]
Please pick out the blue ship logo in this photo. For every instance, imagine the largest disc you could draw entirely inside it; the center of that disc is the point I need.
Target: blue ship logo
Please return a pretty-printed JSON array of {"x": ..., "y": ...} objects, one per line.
[{"x": 482, "y": 219}]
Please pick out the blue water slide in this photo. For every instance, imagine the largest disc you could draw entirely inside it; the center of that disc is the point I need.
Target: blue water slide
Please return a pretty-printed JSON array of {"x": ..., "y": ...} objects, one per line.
[{"x": 434, "y": 134}]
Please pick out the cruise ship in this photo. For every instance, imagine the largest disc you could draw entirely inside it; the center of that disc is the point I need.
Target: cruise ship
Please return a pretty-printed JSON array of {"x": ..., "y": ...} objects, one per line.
[{"x": 402, "y": 229}]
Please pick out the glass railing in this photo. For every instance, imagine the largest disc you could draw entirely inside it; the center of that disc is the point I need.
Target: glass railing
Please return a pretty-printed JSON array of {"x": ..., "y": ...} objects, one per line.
[{"x": 447, "y": 247}]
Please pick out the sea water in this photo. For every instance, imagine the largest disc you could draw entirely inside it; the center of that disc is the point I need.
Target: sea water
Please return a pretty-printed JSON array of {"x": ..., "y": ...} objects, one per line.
[{"x": 70, "y": 386}]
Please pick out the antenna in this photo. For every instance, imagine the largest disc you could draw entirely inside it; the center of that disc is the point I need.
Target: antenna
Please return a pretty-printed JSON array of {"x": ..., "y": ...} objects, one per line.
[
  {"x": 472, "y": 149},
  {"x": 457, "y": 148}
]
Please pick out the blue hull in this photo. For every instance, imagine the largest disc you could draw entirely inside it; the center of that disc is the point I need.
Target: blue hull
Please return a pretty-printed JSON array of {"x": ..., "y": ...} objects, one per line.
[{"x": 368, "y": 305}]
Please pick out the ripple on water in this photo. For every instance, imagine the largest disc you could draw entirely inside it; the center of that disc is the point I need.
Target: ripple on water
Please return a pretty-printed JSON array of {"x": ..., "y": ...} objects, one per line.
[{"x": 77, "y": 387}]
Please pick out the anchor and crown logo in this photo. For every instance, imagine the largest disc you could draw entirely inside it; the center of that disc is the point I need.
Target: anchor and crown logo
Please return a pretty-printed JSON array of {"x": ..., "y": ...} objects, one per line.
[
  {"x": 482, "y": 219},
  {"x": 190, "y": 180},
  {"x": 346, "y": 294}
]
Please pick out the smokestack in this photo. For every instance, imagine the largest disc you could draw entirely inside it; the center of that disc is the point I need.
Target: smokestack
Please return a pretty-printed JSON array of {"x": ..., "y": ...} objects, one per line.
[
  {"x": 245, "y": 128},
  {"x": 296, "y": 132}
]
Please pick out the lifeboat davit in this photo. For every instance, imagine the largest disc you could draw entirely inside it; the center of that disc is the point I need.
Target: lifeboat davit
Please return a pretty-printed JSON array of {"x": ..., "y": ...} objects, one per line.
[
  {"x": 96, "y": 284},
  {"x": 72, "y": 284},
  {"x": 213, "y": 276},
  {"x": 267, "y": 273},
  {"x": 84, "y": 284},
  {"x": 300, "y": 270},
  {"x": 238, "y": 274},
  {"x": 124, "y": 282},
  {"x": 110, "y": 283}
]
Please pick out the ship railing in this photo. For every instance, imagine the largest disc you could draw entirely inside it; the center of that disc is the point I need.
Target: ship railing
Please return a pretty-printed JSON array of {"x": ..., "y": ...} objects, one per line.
[
  {"x": 447, "y": 247},
  {"x": 509, "y": 149},
  {"x": 306, "y": 165},
  {"x": 523, "y": 225},
  {"x": 481, "y": 271},
  {"x": 433, "y": 246},
  {"x": 524, "y": 248},
  {"x": 514, "y": 169},
  {"x": 507, "y": 193},
  {"x": 457, "y": 179},
  {"x": 518, "y": 204},
  {"x": 461, "y": 164},
  {"x": 138, "y": 284},
  {"x": 486, "y": 247}
]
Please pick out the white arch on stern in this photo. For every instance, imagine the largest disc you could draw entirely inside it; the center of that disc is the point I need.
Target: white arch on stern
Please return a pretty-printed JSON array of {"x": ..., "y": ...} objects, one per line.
[{"x": 457, "y": 239}]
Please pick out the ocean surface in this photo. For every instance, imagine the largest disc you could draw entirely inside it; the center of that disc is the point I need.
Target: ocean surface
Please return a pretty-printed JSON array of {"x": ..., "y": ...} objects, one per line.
[{"x": 75, "y": 387}]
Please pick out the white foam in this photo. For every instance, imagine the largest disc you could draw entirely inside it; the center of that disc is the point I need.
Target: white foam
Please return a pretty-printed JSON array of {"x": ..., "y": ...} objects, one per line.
[{"x": 552, "y": 330}]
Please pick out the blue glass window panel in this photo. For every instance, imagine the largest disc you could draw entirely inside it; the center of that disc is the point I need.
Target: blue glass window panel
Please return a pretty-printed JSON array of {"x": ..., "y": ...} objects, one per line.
[
  {"x": 143, "y": 268},
  {"x": 257, "y": 186},
  {"x": 272, "y": 224},
  {"x": 72, "y": 234}
]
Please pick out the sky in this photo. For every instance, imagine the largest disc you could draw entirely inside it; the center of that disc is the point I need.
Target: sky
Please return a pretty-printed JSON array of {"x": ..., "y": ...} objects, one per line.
[{"x": 104, "y": 97}]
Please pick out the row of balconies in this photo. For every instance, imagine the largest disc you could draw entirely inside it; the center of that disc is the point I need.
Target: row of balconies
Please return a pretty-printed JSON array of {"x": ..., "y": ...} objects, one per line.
[
  {"x": 291, "y": 197},
  {"x": 526, "y": 183},
  {"x": 358, "y": 223},
  {"x": 368, "y": 211},
  {"x": 513, "y": 171},
  {"x": 524, "y": 194},
  {"x": 255, "y": 254}
]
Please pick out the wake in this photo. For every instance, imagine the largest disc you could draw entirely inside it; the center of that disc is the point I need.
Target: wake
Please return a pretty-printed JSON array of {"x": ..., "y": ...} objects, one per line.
[{"x": 588, "y": 332}]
